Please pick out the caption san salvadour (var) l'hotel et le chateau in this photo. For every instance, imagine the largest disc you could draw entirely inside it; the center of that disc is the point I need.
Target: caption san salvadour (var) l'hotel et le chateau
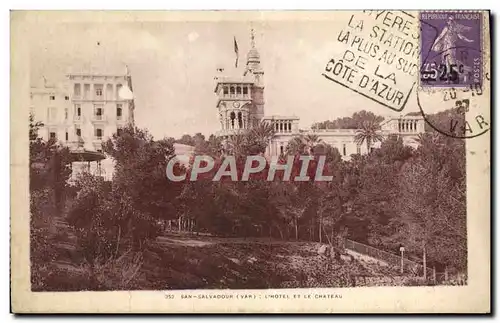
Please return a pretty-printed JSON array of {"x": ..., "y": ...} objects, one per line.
[{"x": 359, "y": 230}]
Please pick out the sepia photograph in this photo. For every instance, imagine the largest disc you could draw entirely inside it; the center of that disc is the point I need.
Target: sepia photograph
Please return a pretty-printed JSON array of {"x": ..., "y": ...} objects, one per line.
[{"x": 225, "y": 152}]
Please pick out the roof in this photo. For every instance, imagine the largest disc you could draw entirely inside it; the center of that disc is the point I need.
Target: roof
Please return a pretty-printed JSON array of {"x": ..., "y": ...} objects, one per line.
[{"x": 277, "y": 117}]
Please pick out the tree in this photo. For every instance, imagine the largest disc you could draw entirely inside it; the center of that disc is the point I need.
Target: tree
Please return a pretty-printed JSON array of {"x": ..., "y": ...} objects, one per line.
[
  {"x": 142, "y": 193},
  {"x": 295, "y": 146},
  {"x": 187, "y": 140},
  {"x": 49, "y": 170},
  {"x": 310, "y": 141},
  {"x": 353, "y": 122},
  {"x": 432, "y": 202},
  {"x": 34, "y": 126},
  {"x": 303, "y": 144},
  {"x": 259, "y": 137},
  {"x": 291, "y": 202},
  {"x": 237, "y": 145},
  {"x": 50, "y": 164},
  {"x": 368, "y": 133}
]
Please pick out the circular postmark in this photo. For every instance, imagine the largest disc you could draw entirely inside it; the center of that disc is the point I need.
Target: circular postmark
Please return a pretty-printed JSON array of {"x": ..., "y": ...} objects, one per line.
[{"x": 465, "y": 103}]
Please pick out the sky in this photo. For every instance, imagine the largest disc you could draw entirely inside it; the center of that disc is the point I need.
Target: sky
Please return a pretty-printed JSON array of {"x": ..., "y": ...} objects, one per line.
[{"x": 173, "y": 64}]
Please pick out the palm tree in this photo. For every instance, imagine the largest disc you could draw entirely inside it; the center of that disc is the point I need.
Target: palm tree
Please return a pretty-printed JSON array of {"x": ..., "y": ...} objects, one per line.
[
  {"x": 311, "y": 141},
  {"x": 236, "y": 144},
  {"x": 368, "y": 133},
  {"x": 260, "y": 136},
  {"x": 295, "y": 145},
  {"x": 303, "y": 144},
  {"x": 426, "y": 138}
]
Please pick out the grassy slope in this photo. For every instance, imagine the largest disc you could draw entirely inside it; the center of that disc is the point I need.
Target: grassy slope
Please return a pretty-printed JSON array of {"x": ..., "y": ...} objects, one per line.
[
  {"x": 196, "y": 263},
  {"x": 192, "y": 262}
]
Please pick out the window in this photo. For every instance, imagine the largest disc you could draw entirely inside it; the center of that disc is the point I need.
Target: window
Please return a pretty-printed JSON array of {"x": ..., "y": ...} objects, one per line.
[
  {"x": 52, "y": 135},
  {"x": 86, "y": 91},
  {"x": 344, "y": 152},
  {"x": 98, "y": 90},
  {"x": 245, "y": 90},
  {"x": 66, "y": 98},
  {"x": 77, "y": 90},
  {"x": 65, "y": 113},
  {"x": 281, "y": 150},
  {"x": 99, "y": 150},
  {"x": 78, "y": 132},
  {"x": 67, "y": 136},
  {"x": 232, "y": 116},
  {"x": 78, "y": 111},
  {"x": 52, "y": 98},
  {"x": 118, "y": 88},
  {"x": 51, "y": 113},
  {"x": 238, "y": 90},
  {"x": 358, "y": 149},
  {"x": 98, "y": 112},
  {"x": 119, "y": 131},
  {"x": 118, "y": 112},
  {"x": 226, "y": 90},
  {"x": 98, "y": 133},
  {"x": 109, "y": 91}
]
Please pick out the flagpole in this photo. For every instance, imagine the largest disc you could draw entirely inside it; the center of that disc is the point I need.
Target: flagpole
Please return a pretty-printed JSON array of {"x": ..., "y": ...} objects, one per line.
[{"x": 236, "y": 51}]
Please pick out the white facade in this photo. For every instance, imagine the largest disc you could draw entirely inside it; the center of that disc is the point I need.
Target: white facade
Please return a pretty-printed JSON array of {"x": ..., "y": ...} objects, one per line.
[
  {"x": 240, "y": 105},
  {"x": 86, "y": 109}
]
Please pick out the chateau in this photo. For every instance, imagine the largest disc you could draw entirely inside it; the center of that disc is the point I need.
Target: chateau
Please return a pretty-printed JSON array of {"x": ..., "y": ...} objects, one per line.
[{"x": 240, "y": 105}]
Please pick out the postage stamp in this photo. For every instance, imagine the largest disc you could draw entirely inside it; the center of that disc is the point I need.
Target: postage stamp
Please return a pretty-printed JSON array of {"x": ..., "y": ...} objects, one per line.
[
  {"x": 454, "y": 57},
  {"x": 454, "y": 76}
]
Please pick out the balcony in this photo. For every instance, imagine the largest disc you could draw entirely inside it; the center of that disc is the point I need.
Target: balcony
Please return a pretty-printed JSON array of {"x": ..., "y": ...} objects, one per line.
[{"x": 98, "y": 118}]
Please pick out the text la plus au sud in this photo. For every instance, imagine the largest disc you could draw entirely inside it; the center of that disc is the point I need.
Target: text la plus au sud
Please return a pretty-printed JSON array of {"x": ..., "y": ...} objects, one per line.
[{"x": 381, "y": 46}]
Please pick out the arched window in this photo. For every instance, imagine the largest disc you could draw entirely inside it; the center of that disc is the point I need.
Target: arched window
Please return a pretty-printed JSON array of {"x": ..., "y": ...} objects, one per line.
[
  {"x": 232, "y": 116},
  {"x": 226, "y": 90},
  {"x": 281, "y": 149},
  {"x": 231, "y": 90},
  {"x": 240, "y": 121},
  {"x": 238, "y": 90}
]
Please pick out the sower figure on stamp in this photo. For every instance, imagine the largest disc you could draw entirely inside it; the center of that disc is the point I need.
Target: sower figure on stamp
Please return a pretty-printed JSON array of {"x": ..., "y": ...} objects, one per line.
[{"x": 447, "y": 42}]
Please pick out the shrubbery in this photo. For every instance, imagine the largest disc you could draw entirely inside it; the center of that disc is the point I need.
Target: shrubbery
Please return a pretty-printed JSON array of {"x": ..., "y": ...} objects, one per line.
[{"x": 393, "y": 196}]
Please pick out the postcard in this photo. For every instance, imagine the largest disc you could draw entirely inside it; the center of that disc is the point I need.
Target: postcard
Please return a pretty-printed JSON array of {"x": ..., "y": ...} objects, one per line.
[{"x": 250, "y": 161}]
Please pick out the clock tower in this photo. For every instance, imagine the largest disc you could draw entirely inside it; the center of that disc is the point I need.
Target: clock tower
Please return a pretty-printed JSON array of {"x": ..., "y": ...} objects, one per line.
[{"x": 240, "y": 100}]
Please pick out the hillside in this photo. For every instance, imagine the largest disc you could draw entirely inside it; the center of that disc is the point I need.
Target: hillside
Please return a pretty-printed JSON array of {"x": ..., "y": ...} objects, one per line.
[{"x": 193, "y": 262}]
